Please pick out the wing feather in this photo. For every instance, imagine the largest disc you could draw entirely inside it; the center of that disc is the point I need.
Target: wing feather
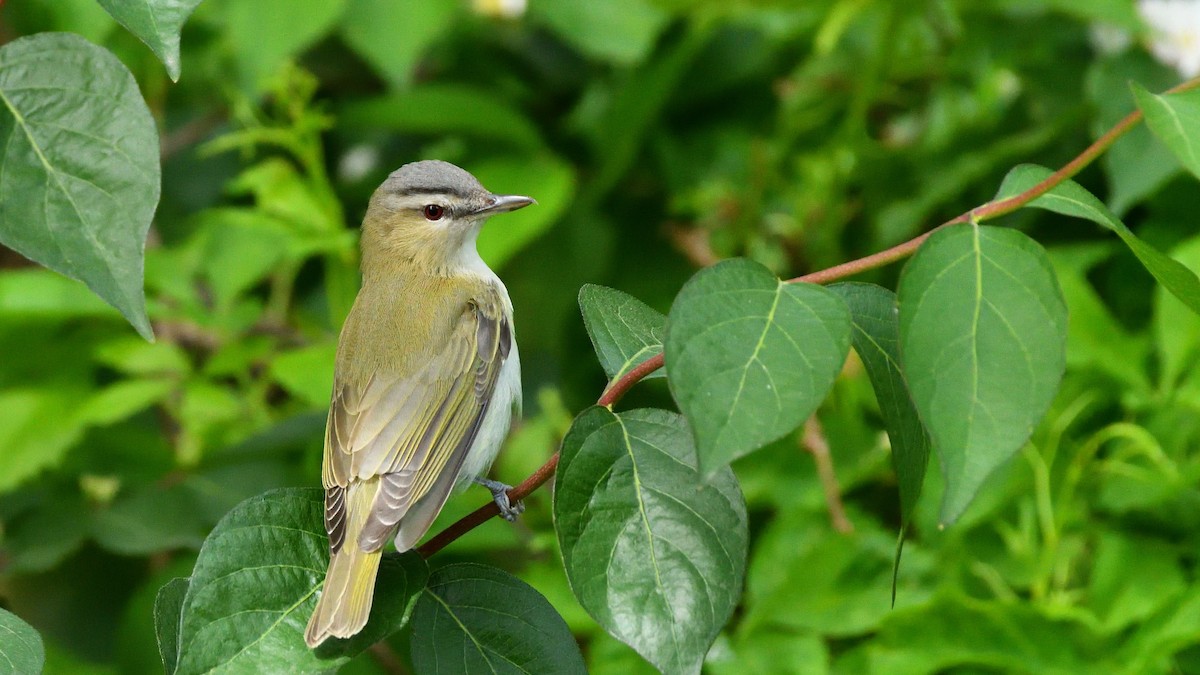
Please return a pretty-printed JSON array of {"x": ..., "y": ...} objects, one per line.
[{"x": 414, "y": 431}]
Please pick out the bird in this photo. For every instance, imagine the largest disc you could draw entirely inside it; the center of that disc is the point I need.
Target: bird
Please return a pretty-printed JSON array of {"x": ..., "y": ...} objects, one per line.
[{"x": 426, "y": 380}]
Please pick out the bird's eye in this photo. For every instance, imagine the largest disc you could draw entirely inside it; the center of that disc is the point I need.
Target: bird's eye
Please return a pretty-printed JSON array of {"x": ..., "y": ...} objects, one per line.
[{"x": 434, "y": 212}]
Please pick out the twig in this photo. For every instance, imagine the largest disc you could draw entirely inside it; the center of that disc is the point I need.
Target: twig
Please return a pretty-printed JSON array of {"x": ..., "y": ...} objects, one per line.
[
  {"x": 985, "y": 212},
  {"x": 813, "y": 440}
]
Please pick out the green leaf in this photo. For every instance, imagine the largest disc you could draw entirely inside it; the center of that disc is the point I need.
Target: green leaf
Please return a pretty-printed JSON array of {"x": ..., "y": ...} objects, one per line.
[
  {"x": 983, "y": 330},
  {"x": 621, "y": 31},
  {"x": 155, "y": 22},
  {"x": 307, "y": 373},
  {"x": 123, "y": 399},
  {"x": 255, "y": 585},
  {"x": 443, "y": 109},
  {"x": 242, "y": 248},
  {"x": 624, "y": 330},
  {"x": 262, "y": 42},
  {"x": 750, "y": 357},
  {"x": 544, "y": 177},
  {"x": 1175, "y": 119},
  {"x": 653, "y": 551},
  {"x": 474, "y": 619},
  {"x": 168, "y": 605},
  {"x": 80, "y": 167},
  {"x": 1176, "y": 326},
  {"x": 876, "y": 338},
  {"x": 21, "y": 650},
  {"x": 30, "y": 444},
  {"x": 151, "y": 519},
  {"x": 371, "y": 26},
  {"x": 1071, "y": 199}
]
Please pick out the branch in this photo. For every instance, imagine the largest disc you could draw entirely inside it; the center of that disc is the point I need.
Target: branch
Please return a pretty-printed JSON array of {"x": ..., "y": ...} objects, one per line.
[
  {"x": 813, "y": 441},
  {"x": 987, "y": 211}
]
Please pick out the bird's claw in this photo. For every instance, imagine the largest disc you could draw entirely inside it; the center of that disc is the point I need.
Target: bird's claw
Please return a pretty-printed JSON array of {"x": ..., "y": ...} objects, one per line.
[{"x": 508, "y": 510}]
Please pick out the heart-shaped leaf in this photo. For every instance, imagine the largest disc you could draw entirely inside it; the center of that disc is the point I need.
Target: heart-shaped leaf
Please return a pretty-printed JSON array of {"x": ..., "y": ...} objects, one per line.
[
  {"x": 479, "y": 619},
  {"x": 79, "y": 171},
  {"x": 653, "y": 551},
  {"x": 21, "y": 649},
  {"x": 624, "y": 330},
  {"x": 1072, "y": 199},
  {"x": 876, "y": 338},
  {"x": 155, "y": 22},
  {"x": 983, "y": 330},
  {"x": 750, "y": 357},
  {"x": 255, "y": 585}
]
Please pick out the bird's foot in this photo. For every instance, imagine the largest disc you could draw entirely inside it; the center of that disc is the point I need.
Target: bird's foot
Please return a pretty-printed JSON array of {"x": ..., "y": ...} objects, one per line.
[{"x": 508, "y": 510}]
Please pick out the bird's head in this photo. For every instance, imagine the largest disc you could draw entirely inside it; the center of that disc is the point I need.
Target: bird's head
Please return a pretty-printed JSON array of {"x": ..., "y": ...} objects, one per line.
[{"x": 428, "y": 214}]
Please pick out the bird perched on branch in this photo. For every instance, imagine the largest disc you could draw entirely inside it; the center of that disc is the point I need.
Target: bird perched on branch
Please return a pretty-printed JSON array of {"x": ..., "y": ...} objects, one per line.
[{"x": 426, "y": 385}]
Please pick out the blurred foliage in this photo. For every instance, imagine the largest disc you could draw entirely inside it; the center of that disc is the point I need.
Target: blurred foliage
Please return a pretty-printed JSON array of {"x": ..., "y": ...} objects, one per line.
[{"x": 658, "y": 136}]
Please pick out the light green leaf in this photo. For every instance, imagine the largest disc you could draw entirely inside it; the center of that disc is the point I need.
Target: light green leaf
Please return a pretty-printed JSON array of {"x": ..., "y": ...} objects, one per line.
[
  {"x": 255, "y": 585},
  {"x": 445, "y": 109},
  {"x": 79, "y": 173},
  {"x": 265, "y": 34},
  {"x": 21, "y": 650},
  {"x": 243, "y": 247},
  {"x": 167, "y": 608},
  {"x": 474, "y": 619},
  {"x": 155, "y": 22},
  {"x": 983, "y": 331},
  {"x": 123, "y": 399},
  {"x": 1071, "y": 199},
  {"x": 750, "y": 357},
  {"x": 545, "y": 178},
  {"x": 151, "y": 519},
  {"x": 307, "y": 373},
  {"x": 1175, "y": 119},
  {"x": 30, "y": 445},
  {"x": 621, "y": 31},
  {"x": 876, "y": 338},
  {"x": 372, "y": 26},
  {"x": 624, "y": 330},
  {"x": 653, "y": 551}
]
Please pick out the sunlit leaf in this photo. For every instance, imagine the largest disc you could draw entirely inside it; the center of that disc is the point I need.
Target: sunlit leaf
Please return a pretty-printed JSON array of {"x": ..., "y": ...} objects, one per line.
[
  {"x": 654, "y": 552},
  {"x": 155, "y": 22},
  {"x": 1071, "y": 199},
  {"x": 307, "y": 373},
  {"x": 266, "y": 33},
  {"x": 474, "y": 619},
  {"x": 622, "y": 31},
  {"x": 79, "y": 172},
  {"x": 624, "y": 330},
  {"x": 21, "y": 650},
  {"x": 983, "y": 331},
  {"x": 255, "y": 585},
  {"x": 876, "y": 339},
  {"x": 750, "y": 357}
]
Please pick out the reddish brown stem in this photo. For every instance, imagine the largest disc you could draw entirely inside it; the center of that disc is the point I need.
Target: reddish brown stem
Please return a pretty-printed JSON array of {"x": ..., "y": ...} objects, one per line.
[{"x": 979, "y": 214}]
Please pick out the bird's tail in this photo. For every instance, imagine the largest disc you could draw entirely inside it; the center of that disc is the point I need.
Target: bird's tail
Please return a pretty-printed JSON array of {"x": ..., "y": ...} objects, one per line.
[{"x": 345, "y": 602}]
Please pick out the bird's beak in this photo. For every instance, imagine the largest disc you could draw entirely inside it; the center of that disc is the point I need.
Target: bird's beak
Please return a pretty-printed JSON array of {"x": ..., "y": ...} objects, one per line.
[{"x": 503, "y": 203}]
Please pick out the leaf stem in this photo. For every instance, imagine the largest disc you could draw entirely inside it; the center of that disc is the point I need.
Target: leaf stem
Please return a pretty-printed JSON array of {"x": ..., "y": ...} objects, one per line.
[{"x": 987, "y": 211}]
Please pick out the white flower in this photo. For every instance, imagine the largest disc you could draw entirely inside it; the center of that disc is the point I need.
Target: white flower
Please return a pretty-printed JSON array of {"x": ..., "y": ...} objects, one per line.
[
  {"x": 358, "y": 161},
  {"x": 501, "y": 9},
  {"x": 1175, "y": 33}
]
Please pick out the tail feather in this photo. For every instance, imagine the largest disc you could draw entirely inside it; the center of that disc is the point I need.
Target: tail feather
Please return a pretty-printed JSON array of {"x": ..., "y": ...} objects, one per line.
[{"x": 345, "y": 602}]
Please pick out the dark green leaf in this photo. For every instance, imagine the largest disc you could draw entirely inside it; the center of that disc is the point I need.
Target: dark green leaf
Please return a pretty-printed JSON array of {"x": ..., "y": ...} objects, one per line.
[
  {"x": 1175, "y": 119},
  {"x": 622, "y": 31},
  {"x": 255, "y": 585},
  {"x": 655, "y": 553},
  {"x": 155, "y": 22},
  {"x": 371, "y": 27},
  {"x": 1071, "y": 199},
  {"x": 983, "y": 331},
  {"x": 80, "y": 166},
  {"x": 476, "y": 619},
  {"x": 547, "y": 178},
  {"x": 876, "y": 338},
  {"x": 21, "y": 650},
  {"x": 625, "y": 331},
  {"x": 439, "y": 109},
  {"x": 265, "y": 34},
  {"x": 168, "y": 606},
  {"x": 750, "y": 357}
]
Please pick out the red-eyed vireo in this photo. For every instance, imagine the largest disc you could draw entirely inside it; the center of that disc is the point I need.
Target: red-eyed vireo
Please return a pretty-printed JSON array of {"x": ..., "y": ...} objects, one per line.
[{"x": 426, "y": 383}]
